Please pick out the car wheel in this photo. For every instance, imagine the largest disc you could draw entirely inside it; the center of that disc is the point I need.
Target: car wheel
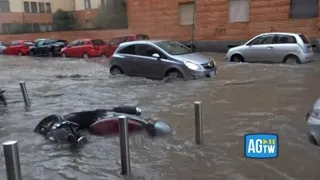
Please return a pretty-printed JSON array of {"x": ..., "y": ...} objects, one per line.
[
  {"x": 85, "y": 55},
  {"x": 50, "y": 54},
  {"x": 173, "y": 75},
  {"x": 19, "y": 54},
  {"x": 115, "y": 71},
  {"x": 64, "y": 55},
  {"x": 291, "y": 59},
  {"x": 237, "y": 58}
]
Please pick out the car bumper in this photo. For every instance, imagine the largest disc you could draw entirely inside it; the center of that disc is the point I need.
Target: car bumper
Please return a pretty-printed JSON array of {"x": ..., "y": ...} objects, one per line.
[
  {"x": 201, "y": 74},
  {"x": 313, "y": 126},
  {"x": 306, "y": 57}
]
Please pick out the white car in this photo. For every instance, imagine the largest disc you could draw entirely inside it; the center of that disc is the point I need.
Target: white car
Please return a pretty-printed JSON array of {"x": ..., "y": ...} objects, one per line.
[
  {"x": 275, "y": 47},
  {"x": 313, "y": 122}
]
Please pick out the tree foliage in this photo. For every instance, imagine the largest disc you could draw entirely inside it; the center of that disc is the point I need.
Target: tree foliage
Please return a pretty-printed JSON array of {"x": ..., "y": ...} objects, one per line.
[
  {"x": 63, "y": 21},
  {"x": 112, "y": 15}
]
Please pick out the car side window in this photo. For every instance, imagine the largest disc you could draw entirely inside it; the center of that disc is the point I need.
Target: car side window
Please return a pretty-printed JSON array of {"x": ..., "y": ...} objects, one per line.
[
  {"x": 147, "y": 50},
  {"x": 286, "y": 39},
  {"x": 74, "y": 43},
  {"x": 40, "y": 43},
  {"x": 81, "y": 43},
  {"x": 128, "y": 50},
  {"x": 264, "y": 39},
  {"x": 14, "y": 43},
  {"x": 115, "y": 41}
]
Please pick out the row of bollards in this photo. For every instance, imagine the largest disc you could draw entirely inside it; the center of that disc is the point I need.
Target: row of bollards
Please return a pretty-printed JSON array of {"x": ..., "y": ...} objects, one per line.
[
  {"x": 124, "y": 142},
  {"x": 11, "y": 150}
]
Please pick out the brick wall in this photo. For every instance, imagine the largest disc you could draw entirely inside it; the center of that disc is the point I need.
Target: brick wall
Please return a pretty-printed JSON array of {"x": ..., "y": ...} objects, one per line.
[{"x": 160, "y": 19}]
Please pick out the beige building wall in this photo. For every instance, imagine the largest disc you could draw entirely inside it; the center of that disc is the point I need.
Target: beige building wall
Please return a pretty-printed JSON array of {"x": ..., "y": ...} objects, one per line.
[
  {"x": 66, "y": 5},
  {"x": 80, "y": 4}
]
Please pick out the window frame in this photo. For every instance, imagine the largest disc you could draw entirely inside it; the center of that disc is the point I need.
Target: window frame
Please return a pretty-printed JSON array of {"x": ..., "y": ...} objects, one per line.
[
  {"x": 48, "y": 10},
  {"x": 43, "y": 6},
  {"x": 7, "y": 3},
  {"x": 31, "y": 9},
  {"x": 231, "y": 20},
  {"x": 292, "y": 16},
  {"x": 193, "y": 4},
  {"x": 24, "y": 6},
  {"x": 85, "y": 4}
]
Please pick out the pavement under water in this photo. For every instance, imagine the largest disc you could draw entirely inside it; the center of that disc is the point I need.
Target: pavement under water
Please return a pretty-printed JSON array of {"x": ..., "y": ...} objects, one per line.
[{"x": 242, "y": 98}]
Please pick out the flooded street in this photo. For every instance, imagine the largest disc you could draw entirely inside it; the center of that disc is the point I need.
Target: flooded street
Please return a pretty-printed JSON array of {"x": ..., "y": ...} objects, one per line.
[{"x": 242, "y": 98}]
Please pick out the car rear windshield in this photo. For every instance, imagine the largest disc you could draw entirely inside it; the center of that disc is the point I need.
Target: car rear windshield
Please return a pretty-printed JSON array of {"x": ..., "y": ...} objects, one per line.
[
  {"x": 304, "y": 39},
  {"x": 142, "y": 37},
  {"x": 97, "y": 42},
  {"x": 28, "y": 43}
]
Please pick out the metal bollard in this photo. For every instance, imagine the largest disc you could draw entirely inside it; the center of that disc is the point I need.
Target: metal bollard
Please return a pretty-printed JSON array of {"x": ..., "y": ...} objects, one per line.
[
  {"x": 198, "y": 121},
  {"x": 25, "y": 93},
  {"x": 124, "y": 145},
  {"x": 11, "y": 154}
]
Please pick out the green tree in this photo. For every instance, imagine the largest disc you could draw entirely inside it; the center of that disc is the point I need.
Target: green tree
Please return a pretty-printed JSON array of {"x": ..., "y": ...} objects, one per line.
[
  {"x": 63, "y": 21},
  {"x": 112, "y": 15}
]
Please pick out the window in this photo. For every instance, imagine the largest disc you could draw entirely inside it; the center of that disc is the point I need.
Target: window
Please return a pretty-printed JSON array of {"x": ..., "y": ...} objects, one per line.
[
  {"x": 173, "y": 47},
  {"x": 48, "y": 7},
  {"x": 6, "y": 28},
  {"x": 81, "y": 43},
  {"x": 304, "y": 38},
  {"x": 285, "y": 39},
  {"x": 303, "y": 8},
  {"x": 26, "y": 7},
  {"x": 186, "y": 13},
  {"x": 4, "y": 6},
  {"x": 43, "y": 27},
  {"x": 117, "y": 40},
  {"x": 42, "y": 7},
  {"x": 97, "y": 42},
  {"x": 145, "y": 50},
  {"x": 128, "y": 50},
  {"x": 74, "y": 43},
  {"x": 36, "y": 27},
  {"x": 142, "y": 37},
  {"x": 34, "y": 7},
  {"x": 14, "y": 43},
  {"x": 87, "y": 4},
  {"x": 103, "y": 2},
  {"x": 49, "y": 27},
  {"x": 263, "y": 39},
  {"x": 238, "y": 11}
]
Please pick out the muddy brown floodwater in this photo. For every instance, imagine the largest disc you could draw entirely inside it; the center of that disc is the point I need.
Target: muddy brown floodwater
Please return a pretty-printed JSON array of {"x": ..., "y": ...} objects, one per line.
[{"x": 242, "y": 98}]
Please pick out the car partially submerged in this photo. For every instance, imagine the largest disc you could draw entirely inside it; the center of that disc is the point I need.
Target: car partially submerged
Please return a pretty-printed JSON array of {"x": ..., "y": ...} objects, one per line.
[
  {"x": 313, "y": 122},
  {"x": 160, "y": 59}
]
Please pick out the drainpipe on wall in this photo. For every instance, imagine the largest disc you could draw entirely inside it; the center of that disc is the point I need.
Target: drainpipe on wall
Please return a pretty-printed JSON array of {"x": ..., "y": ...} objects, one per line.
[{"x": 193, "y": 25}]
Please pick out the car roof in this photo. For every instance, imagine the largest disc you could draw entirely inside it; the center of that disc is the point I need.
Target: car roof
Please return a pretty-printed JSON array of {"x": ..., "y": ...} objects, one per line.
[
  {"x": 149, "y": 41},
  {"x": 129, "y": 35},
  {"x": 283, "y": 33}
]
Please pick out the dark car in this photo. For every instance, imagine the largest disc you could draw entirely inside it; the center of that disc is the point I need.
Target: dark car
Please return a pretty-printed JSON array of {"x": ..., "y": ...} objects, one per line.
[
  {"x": 159, "y": 59},
  {"x": 47, "y": 47}
]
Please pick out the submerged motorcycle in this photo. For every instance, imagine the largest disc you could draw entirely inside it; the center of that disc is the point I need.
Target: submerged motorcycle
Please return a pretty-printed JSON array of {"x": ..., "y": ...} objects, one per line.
[{"x": 66, "y": 129}]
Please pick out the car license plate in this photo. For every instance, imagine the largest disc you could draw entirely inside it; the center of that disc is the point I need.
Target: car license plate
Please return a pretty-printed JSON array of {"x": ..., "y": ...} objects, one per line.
[{"x": 213, "y": 73}]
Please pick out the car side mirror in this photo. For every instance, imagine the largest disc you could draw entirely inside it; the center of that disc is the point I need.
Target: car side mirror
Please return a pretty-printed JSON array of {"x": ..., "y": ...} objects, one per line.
[{"x": 156, "y": 55}]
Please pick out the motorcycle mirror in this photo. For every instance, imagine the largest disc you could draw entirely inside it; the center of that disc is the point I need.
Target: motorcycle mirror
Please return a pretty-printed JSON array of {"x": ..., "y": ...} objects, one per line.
[{"x": 158, "y": 128}]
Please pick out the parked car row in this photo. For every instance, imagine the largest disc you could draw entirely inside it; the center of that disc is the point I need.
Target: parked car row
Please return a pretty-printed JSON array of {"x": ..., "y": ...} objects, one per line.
[{"x": 80, "y": 48}]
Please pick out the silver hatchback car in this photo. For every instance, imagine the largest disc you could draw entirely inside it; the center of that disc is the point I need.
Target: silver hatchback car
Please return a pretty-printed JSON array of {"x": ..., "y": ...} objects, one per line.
[
  {"x": 273, "y": 47},
  {"x": 159, "y": 59},
  {"x": 313, "y": 122}
]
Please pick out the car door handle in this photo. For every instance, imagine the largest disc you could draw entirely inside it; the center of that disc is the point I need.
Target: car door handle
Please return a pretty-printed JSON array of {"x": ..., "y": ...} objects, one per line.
[{"x": 269, "y": 47}]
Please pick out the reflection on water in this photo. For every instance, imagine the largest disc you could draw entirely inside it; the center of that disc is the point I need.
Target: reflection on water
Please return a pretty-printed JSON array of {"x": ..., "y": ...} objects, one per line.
[{"x": 242, "y": 98}]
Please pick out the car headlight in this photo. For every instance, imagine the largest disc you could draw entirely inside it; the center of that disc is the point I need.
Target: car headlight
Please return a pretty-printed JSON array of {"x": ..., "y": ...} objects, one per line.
[
  {"x": 192, "y": 66},
  {"x": 315, "y": 113}
]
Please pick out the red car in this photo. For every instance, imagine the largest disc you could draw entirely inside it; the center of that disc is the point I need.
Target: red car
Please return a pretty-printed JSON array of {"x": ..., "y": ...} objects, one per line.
[
  {"x": 110, "y": 47},
  {"x": 20, "y": 48},
  {"x": 83, "y": 48}
]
